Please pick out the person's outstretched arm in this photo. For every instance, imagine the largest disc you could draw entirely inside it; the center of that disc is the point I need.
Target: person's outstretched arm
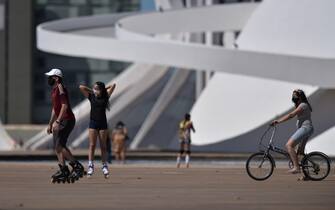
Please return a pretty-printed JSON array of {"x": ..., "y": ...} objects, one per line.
[
  {"x": 85, "y": 90},
  {"x": 192, "y": 127},
  {"x": 110, "y": 89},
  {"x": 288, "y": 116}
]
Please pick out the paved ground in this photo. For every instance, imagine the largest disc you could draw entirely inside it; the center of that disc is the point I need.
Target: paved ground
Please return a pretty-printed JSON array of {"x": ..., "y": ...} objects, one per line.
[
  {"x": 26, "y": 185},
  {"x": 19, "y": 155}
]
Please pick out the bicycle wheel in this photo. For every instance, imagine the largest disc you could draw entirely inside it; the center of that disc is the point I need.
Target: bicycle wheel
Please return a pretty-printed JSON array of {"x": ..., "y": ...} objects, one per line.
[
  {"x": 260, "y": 166},
  {"x": 316, "y": 166}
]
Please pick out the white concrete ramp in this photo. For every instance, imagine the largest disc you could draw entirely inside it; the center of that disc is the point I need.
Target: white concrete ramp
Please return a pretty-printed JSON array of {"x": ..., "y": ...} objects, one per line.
[{"x": 6, "y": 142}]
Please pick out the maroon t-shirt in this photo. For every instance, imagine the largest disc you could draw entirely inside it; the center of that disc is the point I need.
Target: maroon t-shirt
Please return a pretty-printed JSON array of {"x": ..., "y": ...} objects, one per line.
[{"x": 60, "y": 96}]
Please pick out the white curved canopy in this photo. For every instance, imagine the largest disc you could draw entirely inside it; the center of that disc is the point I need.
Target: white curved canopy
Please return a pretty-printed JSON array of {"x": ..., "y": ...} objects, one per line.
[
  {"x": 138, "y": 46},
  {"x": 280, "y": 47}
]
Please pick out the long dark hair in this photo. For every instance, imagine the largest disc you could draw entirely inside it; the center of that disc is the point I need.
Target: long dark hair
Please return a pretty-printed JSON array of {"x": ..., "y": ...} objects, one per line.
[
  {"x": 104, "y": 93},
  {"x": 303, "y": 99}
]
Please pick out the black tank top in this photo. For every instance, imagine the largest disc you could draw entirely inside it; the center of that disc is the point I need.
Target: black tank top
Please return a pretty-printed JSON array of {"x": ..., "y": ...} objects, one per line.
[{"x": 98, "y": 108}]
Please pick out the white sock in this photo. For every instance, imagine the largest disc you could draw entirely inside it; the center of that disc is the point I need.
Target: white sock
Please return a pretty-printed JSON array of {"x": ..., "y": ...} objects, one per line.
[
  {"x": 178, "y": 160},
  {"x": 187, "y": 159}
]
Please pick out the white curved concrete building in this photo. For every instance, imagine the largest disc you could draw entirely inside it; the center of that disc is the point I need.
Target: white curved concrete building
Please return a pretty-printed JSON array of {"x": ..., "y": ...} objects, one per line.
[{"x": 279, "y": 49}]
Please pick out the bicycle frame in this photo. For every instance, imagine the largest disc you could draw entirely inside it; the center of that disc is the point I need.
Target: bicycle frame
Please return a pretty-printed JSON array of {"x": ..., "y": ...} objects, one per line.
[{"x": 271, "y": 147}]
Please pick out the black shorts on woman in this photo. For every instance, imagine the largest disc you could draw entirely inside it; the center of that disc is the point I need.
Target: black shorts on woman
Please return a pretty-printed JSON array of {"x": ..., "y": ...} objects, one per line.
[{"x": 98, "y": 120}]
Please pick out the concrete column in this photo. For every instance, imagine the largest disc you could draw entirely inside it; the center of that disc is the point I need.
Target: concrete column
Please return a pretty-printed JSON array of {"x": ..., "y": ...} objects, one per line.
[
  {"x": 2, "y": 15},
  {"x": 2, "y": 77},
  {"x": 229, "y": 39},
  {"x": 3, "y": 69},
  {"x": 20, "y": 42},
  {"x": 208, "y": 42},
  {"x": 200, "y": 75}
]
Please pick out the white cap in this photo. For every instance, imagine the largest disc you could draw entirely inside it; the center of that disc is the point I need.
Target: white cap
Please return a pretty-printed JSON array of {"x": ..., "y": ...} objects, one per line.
[{"x": 55, "y": 72}]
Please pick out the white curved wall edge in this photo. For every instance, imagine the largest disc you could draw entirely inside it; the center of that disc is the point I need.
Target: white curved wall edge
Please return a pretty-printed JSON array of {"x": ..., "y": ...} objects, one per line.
[
  {"x": 133, "y": 46},
  {"x": 323, "y": 143},
  {"x": 226, "y": 17},
  {"x": 315, "y": 71},
  {"x": 6, "y": 142},
  {"x": 232, "y": 105},
  {"x": 303, "y": 27}
]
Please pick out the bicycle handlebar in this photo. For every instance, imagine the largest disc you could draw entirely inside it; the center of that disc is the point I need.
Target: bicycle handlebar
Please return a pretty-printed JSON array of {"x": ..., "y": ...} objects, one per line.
[{"x": 266, "y": 131}]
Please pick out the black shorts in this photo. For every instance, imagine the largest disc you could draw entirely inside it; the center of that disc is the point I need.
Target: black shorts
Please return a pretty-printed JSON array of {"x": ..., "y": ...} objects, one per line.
[
  {"x": 65, "y": 128},
  {"x": 98, "y": 125}
]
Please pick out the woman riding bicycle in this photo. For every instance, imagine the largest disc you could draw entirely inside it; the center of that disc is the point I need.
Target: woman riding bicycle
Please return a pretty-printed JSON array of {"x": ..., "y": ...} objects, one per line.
[{"x": 305, "y": 129}]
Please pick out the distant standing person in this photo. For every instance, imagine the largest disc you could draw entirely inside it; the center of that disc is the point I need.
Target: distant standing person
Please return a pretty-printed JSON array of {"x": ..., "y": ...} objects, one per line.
[
  {"x": 119, "y": 137},
  {"x": 99, "y": 99},
  {"x": 185, "y": 129},
  {"x": 61, "y": 123}
]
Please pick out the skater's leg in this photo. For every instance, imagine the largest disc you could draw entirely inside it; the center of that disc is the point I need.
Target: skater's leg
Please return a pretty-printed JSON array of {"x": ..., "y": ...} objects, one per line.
[
  {"x": 67, "y": 154},
  {"x": 103, "y": 145},
  {"x": 58, "y": 147},
  {"x": 59, "y": 154},
  {"x": 62, "y": 136},
  {"x": 92, "y": 135}
]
